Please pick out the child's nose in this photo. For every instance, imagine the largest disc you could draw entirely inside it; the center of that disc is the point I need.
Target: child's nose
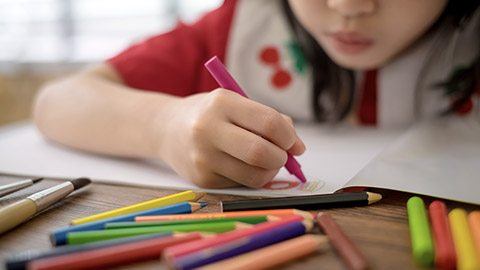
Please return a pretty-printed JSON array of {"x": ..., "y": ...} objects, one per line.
[{"x": 351, "y": 8}]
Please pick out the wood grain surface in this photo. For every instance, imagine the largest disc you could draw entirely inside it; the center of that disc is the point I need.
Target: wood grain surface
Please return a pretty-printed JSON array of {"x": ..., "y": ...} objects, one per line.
[{"x": 379, "y": 230}]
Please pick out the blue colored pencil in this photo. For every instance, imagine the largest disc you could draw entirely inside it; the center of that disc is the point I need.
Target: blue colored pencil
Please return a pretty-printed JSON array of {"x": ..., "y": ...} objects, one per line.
[
  {"x": 59, "y": 236},
  {"x": 241, "y": 246}
]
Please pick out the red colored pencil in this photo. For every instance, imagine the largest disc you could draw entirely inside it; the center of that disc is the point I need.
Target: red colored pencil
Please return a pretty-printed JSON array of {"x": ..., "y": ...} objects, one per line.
[
  {"x": 445, "y": 256},
  {"x": 113, "y": 255},
  {"x": 184, "y": 249},
  {"x": 344, "y": 246}
]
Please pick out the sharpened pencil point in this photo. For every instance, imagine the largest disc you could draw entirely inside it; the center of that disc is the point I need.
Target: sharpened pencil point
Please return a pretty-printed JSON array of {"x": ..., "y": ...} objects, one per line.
[
  {"x": 301, "y": 176},
  {"x": 199, "y": 194},
  {"x": 374, "y": 197},
  {"x": 203, "y": 204}
]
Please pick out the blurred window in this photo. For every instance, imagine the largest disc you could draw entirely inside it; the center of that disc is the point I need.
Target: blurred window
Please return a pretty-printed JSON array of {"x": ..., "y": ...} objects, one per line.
[{"x": 71, "y": 31}]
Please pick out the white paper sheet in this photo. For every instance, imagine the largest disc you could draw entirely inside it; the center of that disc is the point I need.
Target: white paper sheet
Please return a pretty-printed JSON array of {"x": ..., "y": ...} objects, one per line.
[
  {"x": 333, "y": 157},
  {"x": 440, "y": 158}
]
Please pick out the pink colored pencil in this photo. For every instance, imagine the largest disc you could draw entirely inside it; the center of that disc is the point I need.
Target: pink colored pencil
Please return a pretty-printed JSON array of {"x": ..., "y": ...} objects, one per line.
[
  {"x": 225, "y": 80},
  {"x": 112, "y": 255},
  {"x": 184, "y": 249},
  {"x": 445, "y": 256}
]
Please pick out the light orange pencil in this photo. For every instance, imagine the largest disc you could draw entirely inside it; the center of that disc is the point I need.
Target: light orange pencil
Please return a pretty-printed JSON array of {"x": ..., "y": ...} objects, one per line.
[
  {"x": 474, "y": 222},
  {"x": 271, "y": 256},
  {"x": 275, "y": 213}
]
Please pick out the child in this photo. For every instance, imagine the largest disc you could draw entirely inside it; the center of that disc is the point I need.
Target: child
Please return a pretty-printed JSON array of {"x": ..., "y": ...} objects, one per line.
[{"x": 370, "y": 62}]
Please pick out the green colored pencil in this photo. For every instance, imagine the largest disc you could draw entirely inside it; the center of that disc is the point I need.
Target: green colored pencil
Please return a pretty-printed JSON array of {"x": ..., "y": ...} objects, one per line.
[
  {"x": 75, "y": 238},
  {"x": 248, "y": 220},
  {"x": 421, "y": 236}
]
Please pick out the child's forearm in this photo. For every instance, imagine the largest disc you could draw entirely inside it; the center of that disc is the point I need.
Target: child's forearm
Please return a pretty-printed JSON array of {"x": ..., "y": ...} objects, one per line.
[{"x": 94, "y": 113}]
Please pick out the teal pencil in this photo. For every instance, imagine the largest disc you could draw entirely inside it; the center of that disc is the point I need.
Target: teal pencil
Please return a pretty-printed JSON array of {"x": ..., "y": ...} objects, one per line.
[
  {"x": 248, "y": 220},
  {"x": 75, "y": 238},
  {"x": 422, "y": 241}
]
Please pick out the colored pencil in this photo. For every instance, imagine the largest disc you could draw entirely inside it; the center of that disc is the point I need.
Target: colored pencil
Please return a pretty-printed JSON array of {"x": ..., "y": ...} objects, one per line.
[
  {"x": 271, "y": 256},
  {"x": 464, "y": 245},
  {"x": 421, "y": 236},
  {"x": 306, "y": 202},
  {"x": 445, "y": 257},
  {"x": 182, "y": 250},
  {"x": 275, "y": 213},
  {"x": 113, "y": 255},
  {"x": 19, "y": 261},
  {"x": 344, "y": 246},
  {"x": 474, "y": 222},
  {"x": 225, "y": 80},
  {"x": 186, "y": 196},
  {"x": 59, "y": 236},
  {"x": 241, "y": 246},
  {"x": 75, "y": 238},
  {"x": 12, "y": 187},
  {"x": 248, "y": 220}
]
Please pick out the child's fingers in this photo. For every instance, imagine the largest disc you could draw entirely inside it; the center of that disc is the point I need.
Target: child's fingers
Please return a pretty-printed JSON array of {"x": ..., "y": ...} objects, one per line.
[
  {"x": 214, "y": 180},
  {"x": 264, "y": 121},
  {"x": 298, "y": 147},
  {"x": 241, "y": 172},
  {"x": 249, "y": 147},
  {"x": 288, "y": 119}
]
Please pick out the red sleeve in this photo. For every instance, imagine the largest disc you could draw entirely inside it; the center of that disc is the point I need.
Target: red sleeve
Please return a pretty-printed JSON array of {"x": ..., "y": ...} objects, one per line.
[{"x": 173, "y": 62}]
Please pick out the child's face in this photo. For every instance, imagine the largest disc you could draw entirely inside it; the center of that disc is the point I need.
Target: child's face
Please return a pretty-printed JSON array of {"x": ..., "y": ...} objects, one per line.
[{"x": 362, "y": 34}]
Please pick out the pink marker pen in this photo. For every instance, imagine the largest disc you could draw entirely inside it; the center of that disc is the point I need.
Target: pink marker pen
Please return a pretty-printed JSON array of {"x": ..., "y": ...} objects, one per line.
[{"x": 225, "y": 80}]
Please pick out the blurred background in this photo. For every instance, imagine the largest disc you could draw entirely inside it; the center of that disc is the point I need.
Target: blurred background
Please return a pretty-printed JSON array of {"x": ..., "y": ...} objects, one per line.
[{"x": 44, "y": 39}]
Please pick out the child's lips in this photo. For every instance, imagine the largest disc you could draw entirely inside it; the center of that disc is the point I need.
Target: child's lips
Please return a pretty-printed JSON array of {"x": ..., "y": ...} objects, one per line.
[{"x": 350, "y": 42}]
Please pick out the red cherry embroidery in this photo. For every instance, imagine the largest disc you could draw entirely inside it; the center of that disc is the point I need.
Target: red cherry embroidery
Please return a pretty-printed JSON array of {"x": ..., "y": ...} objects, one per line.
[
  {"x": 465, "y": 109},
  {"x": 281, "y": 78},
  {"x": 270, "y": 56}
]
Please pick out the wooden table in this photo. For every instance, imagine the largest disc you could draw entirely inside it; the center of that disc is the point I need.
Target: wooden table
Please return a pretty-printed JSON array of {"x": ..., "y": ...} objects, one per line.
[{"x": 380, "y": 230}]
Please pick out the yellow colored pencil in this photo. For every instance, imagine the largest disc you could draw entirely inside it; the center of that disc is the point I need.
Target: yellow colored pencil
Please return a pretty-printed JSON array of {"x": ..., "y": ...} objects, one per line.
[
  {"x": 464, "y": 246},
  {"x": 474, "y": 221},
  {"x": 186, "y": 196}
]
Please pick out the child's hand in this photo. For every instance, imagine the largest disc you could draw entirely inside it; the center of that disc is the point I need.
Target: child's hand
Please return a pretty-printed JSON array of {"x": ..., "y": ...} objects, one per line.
[{"x": 220, "y": 139}]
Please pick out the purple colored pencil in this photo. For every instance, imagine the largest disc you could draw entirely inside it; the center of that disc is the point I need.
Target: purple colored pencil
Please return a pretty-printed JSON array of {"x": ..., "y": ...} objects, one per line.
[
  {"x": 240, "y": 246},
  {"x": 225, "y": 80}
]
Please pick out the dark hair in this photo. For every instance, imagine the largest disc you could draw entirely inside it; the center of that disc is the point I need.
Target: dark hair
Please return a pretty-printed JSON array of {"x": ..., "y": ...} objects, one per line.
[{"x": 333, "y": 85}]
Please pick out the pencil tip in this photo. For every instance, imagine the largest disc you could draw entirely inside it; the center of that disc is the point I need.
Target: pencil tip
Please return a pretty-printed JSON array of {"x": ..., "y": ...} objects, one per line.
[
  {"x": 35, "y": 180},
  {"x": 203, "y": 204},
  {"x": 305, "y": 214},
  {"x": 374, "y": 197},
  {"x": 299, "y": 174},
  {"x": 199, "y": 194},
  {"x": 80, "y": 182}
]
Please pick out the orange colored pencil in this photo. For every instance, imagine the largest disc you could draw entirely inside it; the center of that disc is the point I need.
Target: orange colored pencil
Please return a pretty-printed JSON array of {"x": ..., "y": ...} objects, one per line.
[
  {"x": 474, "y": 223},
  {"x": 276, "y": 213},
  {"x": 271, "y": 256},
  {"x": 112, "y": 255},
  {"x": 344, "y": 246}
]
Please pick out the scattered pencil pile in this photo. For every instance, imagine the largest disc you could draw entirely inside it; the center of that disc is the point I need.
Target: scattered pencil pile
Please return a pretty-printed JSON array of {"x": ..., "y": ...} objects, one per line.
[
  {"x": 166, "y": 228},
  {"x": 451, "y": 242}
]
